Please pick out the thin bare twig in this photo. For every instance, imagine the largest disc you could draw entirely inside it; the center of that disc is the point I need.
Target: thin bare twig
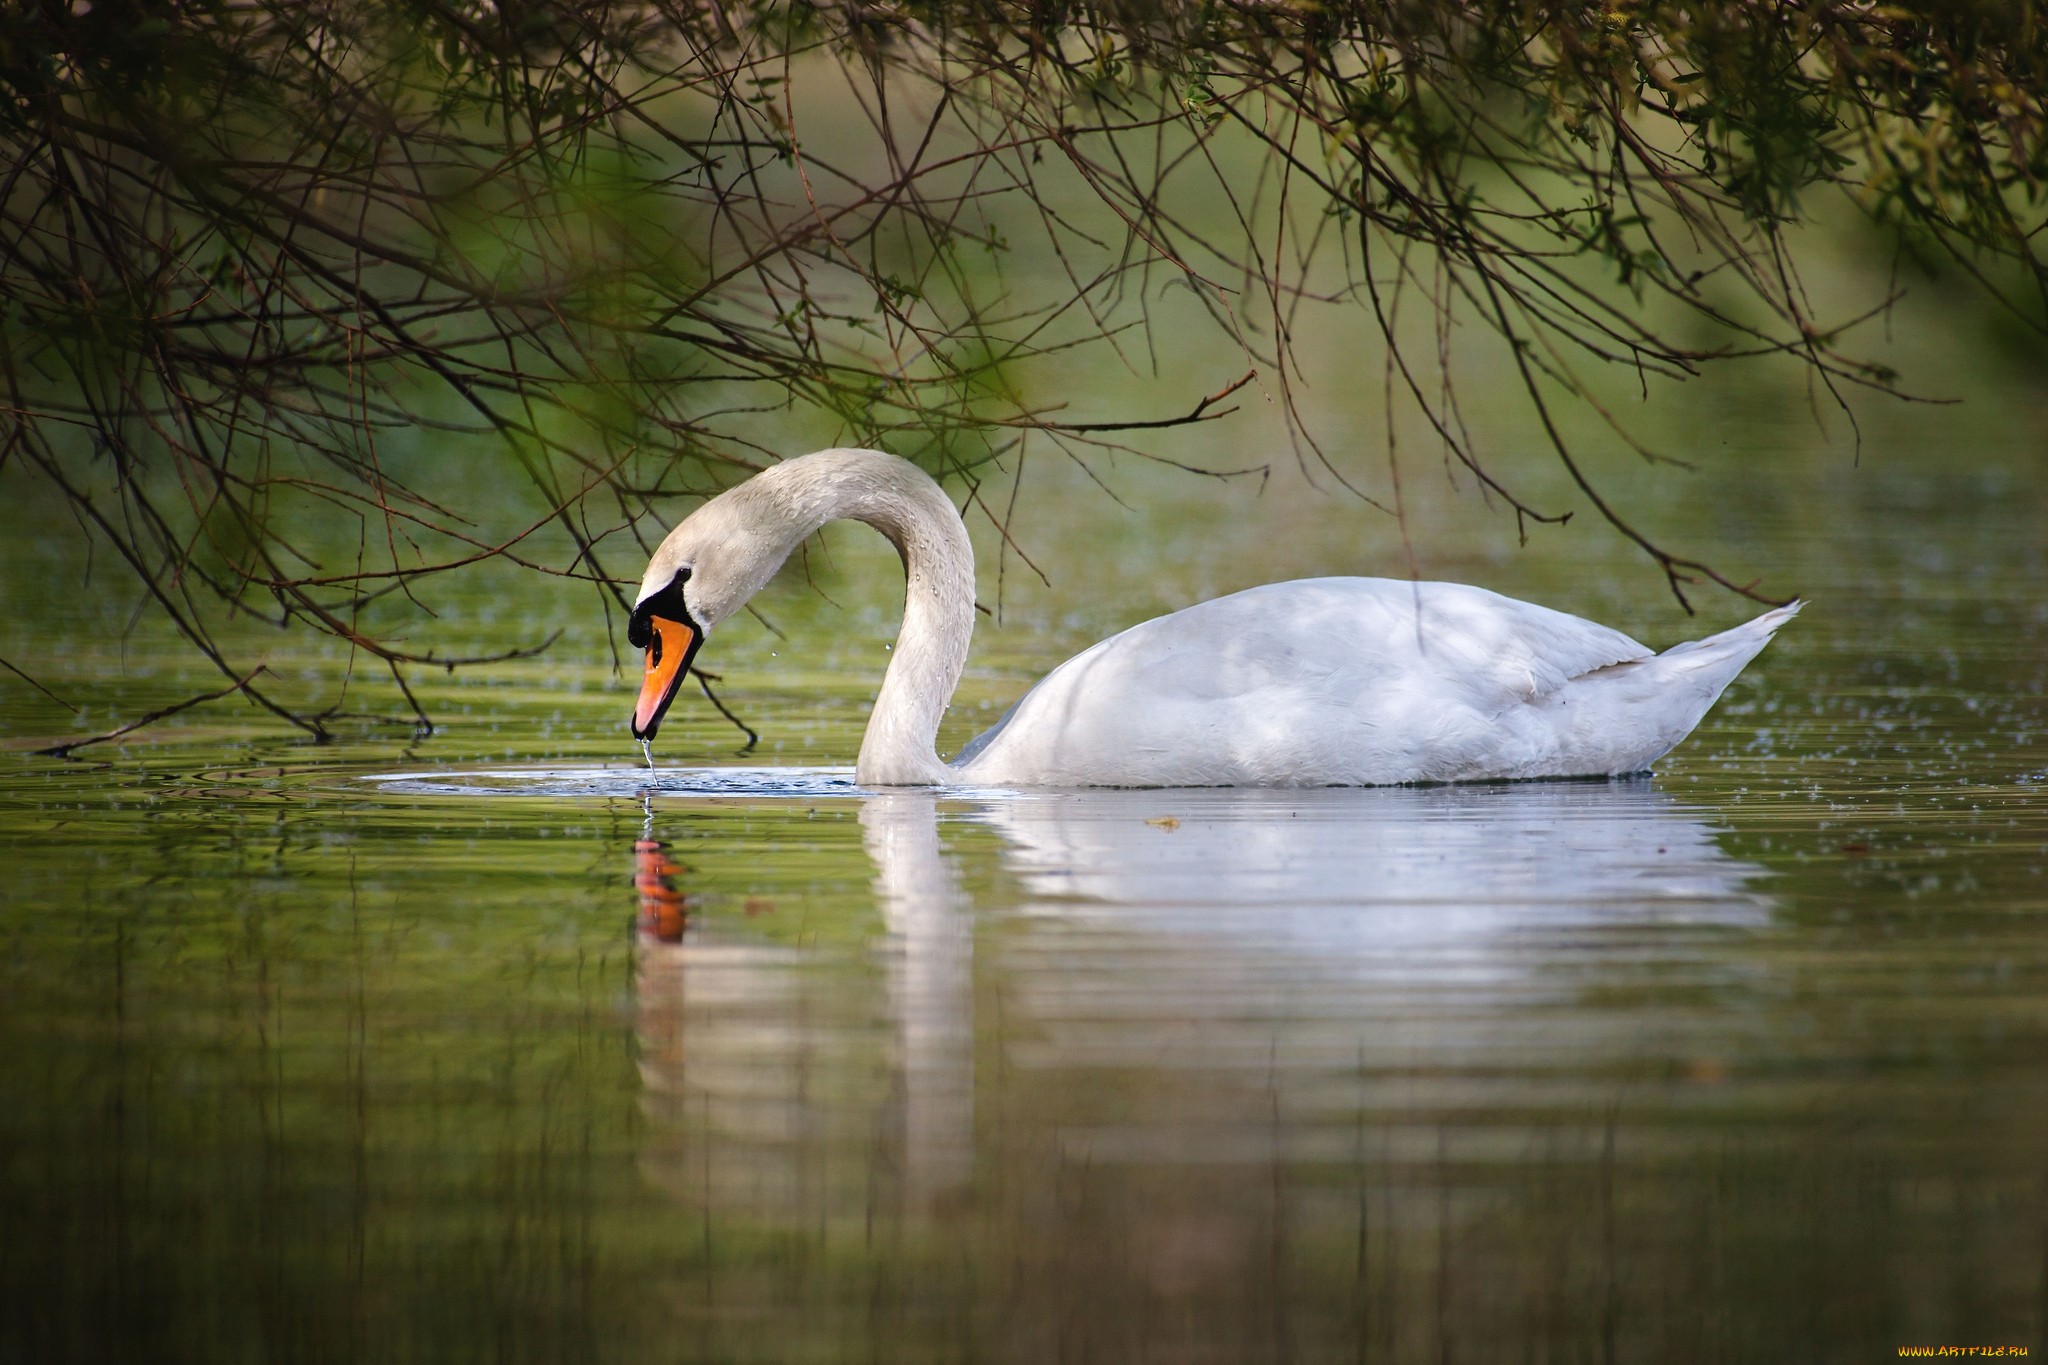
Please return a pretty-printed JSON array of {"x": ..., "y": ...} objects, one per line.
[{"x": 239, "y": 685}]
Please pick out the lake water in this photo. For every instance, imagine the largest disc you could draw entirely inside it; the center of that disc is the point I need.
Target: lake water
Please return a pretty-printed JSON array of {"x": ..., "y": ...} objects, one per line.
[{"x": 491, "y": 1047}]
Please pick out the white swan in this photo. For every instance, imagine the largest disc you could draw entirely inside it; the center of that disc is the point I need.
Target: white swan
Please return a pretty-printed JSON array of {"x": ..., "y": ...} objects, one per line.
[{"x": 1319, "y": 682}]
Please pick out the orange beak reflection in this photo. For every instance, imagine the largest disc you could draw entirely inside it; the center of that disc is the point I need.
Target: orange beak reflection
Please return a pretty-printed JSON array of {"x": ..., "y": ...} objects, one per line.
[
  {"x": 668, "y": 657},
  {"x": 664, "y": 911}
]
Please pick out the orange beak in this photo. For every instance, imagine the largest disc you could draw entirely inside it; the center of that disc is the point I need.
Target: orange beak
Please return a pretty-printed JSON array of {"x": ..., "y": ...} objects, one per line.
[{"x": 668, "y": 659}]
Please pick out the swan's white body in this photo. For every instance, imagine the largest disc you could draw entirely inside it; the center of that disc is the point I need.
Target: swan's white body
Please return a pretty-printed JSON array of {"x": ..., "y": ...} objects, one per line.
[
  {"x": 1319, "y": 682},
  {"x": 1358, "y": 681}
]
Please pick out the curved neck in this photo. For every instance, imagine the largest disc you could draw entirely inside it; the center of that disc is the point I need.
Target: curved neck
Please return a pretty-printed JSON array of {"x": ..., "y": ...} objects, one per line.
[{"x": 901, "y": 501}]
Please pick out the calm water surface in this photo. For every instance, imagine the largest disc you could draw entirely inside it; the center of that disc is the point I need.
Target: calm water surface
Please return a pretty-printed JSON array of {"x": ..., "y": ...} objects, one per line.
[{"x": 384, "y": 1053}]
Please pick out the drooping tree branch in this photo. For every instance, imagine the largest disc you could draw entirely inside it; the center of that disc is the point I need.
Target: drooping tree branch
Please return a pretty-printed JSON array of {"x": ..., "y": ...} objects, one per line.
[{"x": 252, "y": 257}]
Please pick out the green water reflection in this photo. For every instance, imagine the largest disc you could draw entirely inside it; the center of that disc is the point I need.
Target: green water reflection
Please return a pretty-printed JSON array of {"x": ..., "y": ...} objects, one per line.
[{"x": 1744, "y": 1062}]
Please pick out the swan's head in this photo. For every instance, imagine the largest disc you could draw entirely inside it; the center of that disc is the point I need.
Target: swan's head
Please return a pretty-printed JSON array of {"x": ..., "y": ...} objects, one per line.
[{"x": 718, "y": 557}]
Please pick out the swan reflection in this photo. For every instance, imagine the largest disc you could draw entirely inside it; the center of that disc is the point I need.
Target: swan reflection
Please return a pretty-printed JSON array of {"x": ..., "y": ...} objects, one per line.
[
  {"x": 1158, "y": 978},
  {"x": 1378, "y": 882},
  {"x": 761, "y": 1064}
]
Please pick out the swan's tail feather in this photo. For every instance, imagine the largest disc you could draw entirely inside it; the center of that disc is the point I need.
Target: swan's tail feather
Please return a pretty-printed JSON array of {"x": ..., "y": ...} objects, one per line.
[
  {"x": 1700, "y": 670},
  {"x": 1636, "y": 712},
  {"x": 1727, "y": 653}
]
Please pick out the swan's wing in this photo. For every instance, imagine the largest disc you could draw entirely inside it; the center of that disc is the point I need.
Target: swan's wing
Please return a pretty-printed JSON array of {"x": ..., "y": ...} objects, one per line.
[
  {"x": 1340, "y": 637},
  {"x": 1495, "y": 651},
  {"x": 1313, "y": 680}
]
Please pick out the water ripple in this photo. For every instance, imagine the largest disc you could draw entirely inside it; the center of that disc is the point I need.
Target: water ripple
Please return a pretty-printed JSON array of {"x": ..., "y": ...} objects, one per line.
[{"x": 626, "y": 782}]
